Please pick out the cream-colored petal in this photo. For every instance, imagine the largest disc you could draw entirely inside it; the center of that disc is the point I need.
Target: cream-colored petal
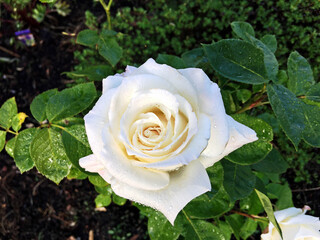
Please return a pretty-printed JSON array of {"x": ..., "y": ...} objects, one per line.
[
  {"x": 119, "y": 165},
  {"x": 191, "y": 152},
  {"x": 171, "y": 75},
  {"x": 185, "y": 184},
  {"x": 209, "y": 97},
  {"x": 111, "y": 82},
  {"x": 239, "y": 135}
]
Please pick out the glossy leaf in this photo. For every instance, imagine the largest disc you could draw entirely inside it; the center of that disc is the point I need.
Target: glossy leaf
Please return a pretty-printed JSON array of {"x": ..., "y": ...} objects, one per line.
[
  {"x": 109, "y": 49},
  {"x": 272, "y": 163},
  {"x": 76, "y": 145},
  {"x": 2, "y": 139},
  {"x": 300, "y": 74},
  {"x": 288, "y": 110},
  {"x": 255, "y": 151},
  {"x": 265, "y": 201},
  {"x": 193, "y": 57},
  {"x": 248, "y": 228},
  {"x": 70, "y": 102},
  {"x": 270, "y": 41},
  {"x": 282, "y": 193},
  {"x": 10, "y": 146},
  {"x": 75, "y": 173},
  {"x": 7, "y": 111},
  {"x": 243, "y": 30},
  {"x": 21, "y": 151},
  {"x": 171, "y": 60},
  {"x": 87, "y": 38},
  {"x": 243, "y": 95},
  {"x": 93, "y": 73},
  {"x": 97, "y": 180},
  {"x": 17, "y": 121},
  {"x": 311, "y": 133},
  {"x": 239, "y": 181},
  {"x": 118, "y": 200},
  {"x": 199, "y": 229},
  {"x": 39, "y": 104},
  {"x": 49, "y": 156},
  {"x": 159, "y": 228},
  {"x": 237, "y": 60},
  {"x": 313, "y": 94},
  {"x": 102, "y": 200},
  {"x": 270, "y": 60},
  {"x": 236, "y": 223},
  {"x": 251, "y": 204}
]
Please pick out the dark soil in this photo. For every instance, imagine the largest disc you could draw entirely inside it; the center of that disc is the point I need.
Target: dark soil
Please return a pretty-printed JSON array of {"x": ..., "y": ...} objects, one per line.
[{"x": 33, "y": 207}]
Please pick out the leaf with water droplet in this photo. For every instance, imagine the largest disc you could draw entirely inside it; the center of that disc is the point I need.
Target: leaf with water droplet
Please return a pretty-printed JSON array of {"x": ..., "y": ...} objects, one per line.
[
  {"x": 257, "y": 150},
  {"x": 311, "y": 132},
  {"x": 230, "y": 58},
  {"x": 2, "y": 139},
  {"x": 288, "y": 110},
  {"x": 49, "y": 156},
  {"x": 7, "y": 111}
]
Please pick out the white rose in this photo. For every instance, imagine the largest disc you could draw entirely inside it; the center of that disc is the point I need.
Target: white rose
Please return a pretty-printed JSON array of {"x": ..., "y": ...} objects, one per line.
[
  {"x": 295, "y": 225},
  {"x": 155, "y": 130}
]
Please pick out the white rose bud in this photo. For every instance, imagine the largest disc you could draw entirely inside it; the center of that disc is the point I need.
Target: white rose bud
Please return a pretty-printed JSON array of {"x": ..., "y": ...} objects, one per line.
[
  {"x": 155, "y": 130},
  {"x": 295, "y": 225}
]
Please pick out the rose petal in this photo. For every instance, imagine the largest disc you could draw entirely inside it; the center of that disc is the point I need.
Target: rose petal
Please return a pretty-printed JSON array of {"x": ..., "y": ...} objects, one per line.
[
  {"x": 119, "y": 165},
  {"x": 111, "y": 82},
  {"x": 239, "y": 135},
  {"x": 185, "y": 184},
  {"x": 191, "y": 152},
  {"x": 287, "y": 213},
  {"x": 172, "y": 76}
]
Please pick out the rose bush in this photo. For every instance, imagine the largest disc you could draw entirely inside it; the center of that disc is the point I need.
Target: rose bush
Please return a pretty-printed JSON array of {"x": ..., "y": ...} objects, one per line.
[
  {"x": 295, "y": 225},
  {"x": 155, "y": 130}
]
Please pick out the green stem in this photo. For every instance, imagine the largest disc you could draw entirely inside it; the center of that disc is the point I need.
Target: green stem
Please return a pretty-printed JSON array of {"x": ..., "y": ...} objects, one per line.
[
  {"x": 9, "y": 131},
  {"x": 107, "y": 9},
  {"x": 57, "y": 126}
]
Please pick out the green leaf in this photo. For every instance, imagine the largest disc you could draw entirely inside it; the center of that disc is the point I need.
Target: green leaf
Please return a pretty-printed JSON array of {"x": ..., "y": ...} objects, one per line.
[
  {"x": 39, "y": 104},
  {"x": 248, "y": 228},
  {"x": 17, "y": 121},
  {"x": 236, "y": 223},
  {"x": 10, "y": 146},
  {"x": 105, "y": 190},
  {"x": 159, "y": 228},
  {"x": 255, "y": 151},
  {"x": 71, "y": 101},
  {"x": 313, "y": 94},
  {"x": 272, "y": 163},
  {"x": 97, "y": 180},
  {"x": 118, "y": 200},
  {"x": 282, "y": 77},
  {"x": 213, "y": 203},
  {"x": 87, "y": 38},
  {"x": 228, "y": 101},
  {"x": 270, "y": 60},
  {"x": 171, "y": 60},
  {"x": 93, "y": 73},
  {"x": 243, "y": 30},
  {"x": 251, "y": 204},
  {"x": 243, "y": 95},
  {"x": 21, "y": 151},
  {"x": 7, "y": 111},
  {"x": 2, "y": 139},
  {"x": 311, "y": 133},
  {"x": 288, "y": 110},
  {"x": 76, "y": 145},
  {"x": 282, "y": 193},
  {"x": 265, "y": 201},
  {"x": 102, "y": 200},
  {"x": 75, "y": 173},
  {"x": 109, "y": 49},
  {"x": 49, "y": 156},
  {"x": 239, "y": 181},
  {"x": 199, "y": 229},
  {"x": 225, "y": 229},
  {"x": 300, "y": 74},
  {"x": 237, "y": 60},
  {"x": 193, "y": 57},
  {"x": 270, "y": 41}
]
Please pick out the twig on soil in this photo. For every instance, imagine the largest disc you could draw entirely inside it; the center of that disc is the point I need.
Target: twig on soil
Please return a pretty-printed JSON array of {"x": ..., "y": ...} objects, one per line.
[
  {"x": 306, "y": 190},
  {"x": 9, "y": 52}
]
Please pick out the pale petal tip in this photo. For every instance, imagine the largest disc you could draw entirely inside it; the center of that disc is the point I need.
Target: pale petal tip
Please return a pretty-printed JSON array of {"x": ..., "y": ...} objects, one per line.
[{"x": 90, "y": 164}]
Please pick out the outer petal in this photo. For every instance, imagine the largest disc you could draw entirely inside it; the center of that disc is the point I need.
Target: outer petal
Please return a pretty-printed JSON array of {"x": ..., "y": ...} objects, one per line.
[
  {"x": 111, "y": 82},
  {"x": 282, "y": 215},
  {"x": 119, "y": 165},
  {"x": 185, "y": 184},
  {"x": 91, "y": 164},
  {"x": 239, "y": 135},
  {"x": 172, "y": 76}
]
